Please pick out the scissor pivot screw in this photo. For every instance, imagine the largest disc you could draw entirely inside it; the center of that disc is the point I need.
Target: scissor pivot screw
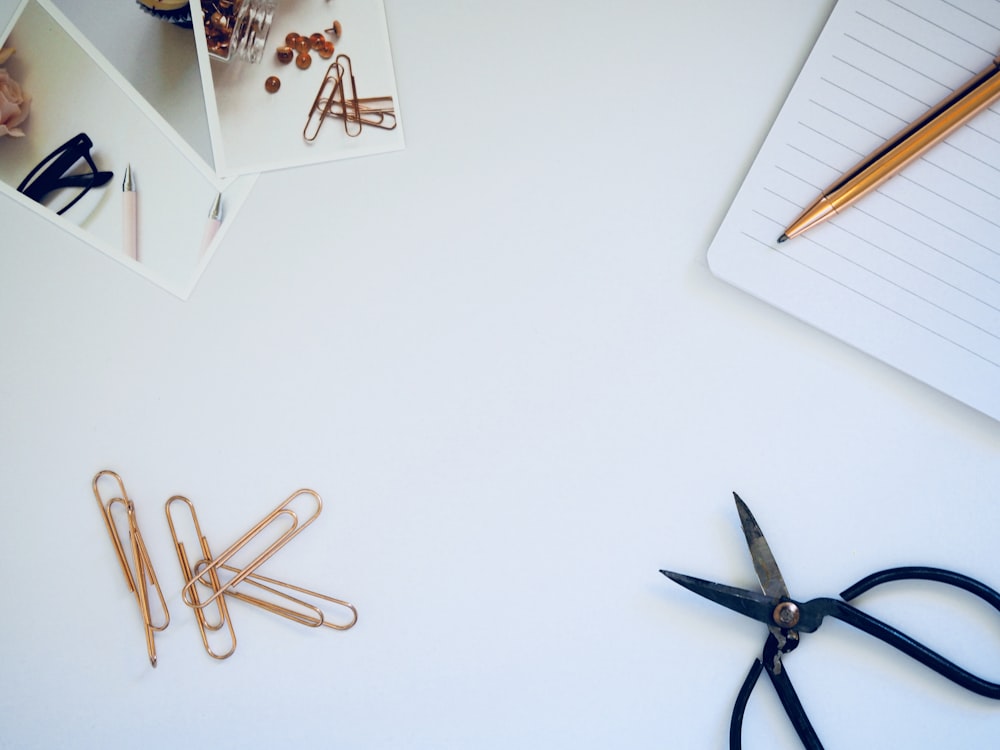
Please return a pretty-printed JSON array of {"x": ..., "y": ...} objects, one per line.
[{"x": 786, "y": 615}]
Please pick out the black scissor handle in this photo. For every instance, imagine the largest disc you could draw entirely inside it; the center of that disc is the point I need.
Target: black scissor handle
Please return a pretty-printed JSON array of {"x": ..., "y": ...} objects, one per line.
[
  {"x": 923, "y": 573},
  {"x": 899, "y": 640},
  {"x": 816, "y": 609},
  {"x": 740, "y": 707},
  {"x": 770, "y": 662}
]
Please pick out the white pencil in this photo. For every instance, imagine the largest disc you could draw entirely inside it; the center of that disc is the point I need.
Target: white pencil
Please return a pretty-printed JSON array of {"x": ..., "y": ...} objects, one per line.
[
  {"x": 212, "y": 226},
  {"x": 129, "y": 229}
]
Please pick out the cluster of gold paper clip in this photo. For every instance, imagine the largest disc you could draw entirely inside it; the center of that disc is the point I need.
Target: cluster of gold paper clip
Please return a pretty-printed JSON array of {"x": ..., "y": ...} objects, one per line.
[
  {"x": 209, "y": 580},
  {"x": 338, "y": 97}
]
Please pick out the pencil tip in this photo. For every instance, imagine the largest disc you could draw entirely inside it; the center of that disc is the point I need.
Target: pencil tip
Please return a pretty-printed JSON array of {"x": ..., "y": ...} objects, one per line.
[
  {"x": 216, "y": 211},
  {"x": 783, "y": 238}
]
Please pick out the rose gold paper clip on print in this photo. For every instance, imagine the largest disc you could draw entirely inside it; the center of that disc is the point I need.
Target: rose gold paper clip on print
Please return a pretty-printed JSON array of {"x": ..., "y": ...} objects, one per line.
[{"x": 338, "y": 97}]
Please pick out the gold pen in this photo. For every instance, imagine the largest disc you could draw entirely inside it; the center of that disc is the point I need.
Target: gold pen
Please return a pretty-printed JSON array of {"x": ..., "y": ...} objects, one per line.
[{"x": 904, "y": 147}]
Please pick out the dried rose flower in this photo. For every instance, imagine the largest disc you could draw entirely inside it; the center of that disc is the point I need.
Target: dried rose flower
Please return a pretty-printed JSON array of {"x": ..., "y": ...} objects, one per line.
[{"x": 14, "y": 105}]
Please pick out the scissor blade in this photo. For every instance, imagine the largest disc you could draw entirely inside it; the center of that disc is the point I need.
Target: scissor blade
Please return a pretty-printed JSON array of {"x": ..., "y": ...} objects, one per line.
[
  {"x": 771, "y": 582},
  {"x": 750, "y": 603}
]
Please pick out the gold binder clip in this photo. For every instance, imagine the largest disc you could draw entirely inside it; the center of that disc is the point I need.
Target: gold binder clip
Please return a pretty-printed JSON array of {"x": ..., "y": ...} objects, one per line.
[
  {"x": 284, "y": 511},
  {"x": 188, "y": 572},
  {"x": 140, "y": 575}
]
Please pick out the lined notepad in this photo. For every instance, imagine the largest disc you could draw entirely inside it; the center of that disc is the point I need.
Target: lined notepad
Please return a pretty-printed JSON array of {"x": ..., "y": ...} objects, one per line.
[{"x": 911, "y": 273}]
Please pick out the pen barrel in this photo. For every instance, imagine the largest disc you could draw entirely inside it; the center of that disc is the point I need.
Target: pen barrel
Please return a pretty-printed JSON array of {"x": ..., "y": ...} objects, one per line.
[
  {"x": 130, "y": 239},
  {"x": 915, "y": 140},
  {"x": 211, "y": 227}
]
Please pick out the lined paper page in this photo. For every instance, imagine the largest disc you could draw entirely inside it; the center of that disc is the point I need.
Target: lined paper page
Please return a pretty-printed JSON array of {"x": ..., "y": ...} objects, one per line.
[{"x": 911, "y": 273}]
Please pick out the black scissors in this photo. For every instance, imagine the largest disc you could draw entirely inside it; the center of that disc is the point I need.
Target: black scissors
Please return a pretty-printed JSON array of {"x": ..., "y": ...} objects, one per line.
[{"x": 786, "y": 618}]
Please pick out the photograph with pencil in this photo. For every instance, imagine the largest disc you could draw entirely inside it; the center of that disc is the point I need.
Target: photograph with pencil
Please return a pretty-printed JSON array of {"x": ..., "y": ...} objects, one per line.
[{"x": 80, "y": 146}]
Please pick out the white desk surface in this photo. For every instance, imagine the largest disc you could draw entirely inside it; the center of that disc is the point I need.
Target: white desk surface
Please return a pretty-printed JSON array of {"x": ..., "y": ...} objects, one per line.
[{"x": 500, "y": 357}]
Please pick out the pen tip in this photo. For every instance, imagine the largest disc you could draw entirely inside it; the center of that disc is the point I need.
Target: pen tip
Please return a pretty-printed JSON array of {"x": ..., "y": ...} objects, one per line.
[
  {"x": 127, "y": 182},
  {"x": 783, "y": 238}
]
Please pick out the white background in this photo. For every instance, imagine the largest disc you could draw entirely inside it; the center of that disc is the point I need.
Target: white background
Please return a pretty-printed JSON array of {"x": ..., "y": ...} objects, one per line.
[{"x": 500, "y": 357}]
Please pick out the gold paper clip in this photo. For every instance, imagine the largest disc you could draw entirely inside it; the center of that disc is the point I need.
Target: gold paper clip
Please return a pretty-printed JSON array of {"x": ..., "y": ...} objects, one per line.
[
  {"x": 373, "y": 111},
  {"x": 188, "y": 572},
  {"x": 314, "y": 618},
  {"x": 143, "y": 575},
  {"x": 348, "y": 100},
  {"x": 283, "y": 511},
  {"x": 338, "y": 97},
  {"x": 321, "y": 105}
]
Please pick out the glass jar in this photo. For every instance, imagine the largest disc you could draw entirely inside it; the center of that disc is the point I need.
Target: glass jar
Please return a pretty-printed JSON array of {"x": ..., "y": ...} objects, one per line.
[{"x": 237, "y": 29}]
